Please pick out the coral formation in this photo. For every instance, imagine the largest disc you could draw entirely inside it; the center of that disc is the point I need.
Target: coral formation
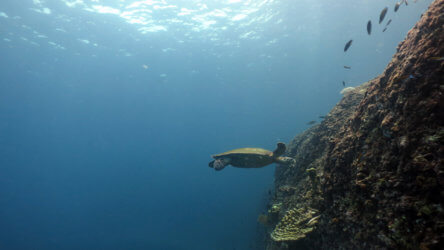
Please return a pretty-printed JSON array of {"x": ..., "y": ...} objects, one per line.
[
  {"x": 294, "y": 225},
  {"x": 275, "y": 208},
  {"x": 346, "y": 90},
  {"x": 373, "y": 170}
]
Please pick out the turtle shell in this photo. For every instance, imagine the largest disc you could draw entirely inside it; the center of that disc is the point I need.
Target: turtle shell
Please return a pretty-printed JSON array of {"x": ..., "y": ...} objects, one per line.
[{"x": 247, "y": 157}]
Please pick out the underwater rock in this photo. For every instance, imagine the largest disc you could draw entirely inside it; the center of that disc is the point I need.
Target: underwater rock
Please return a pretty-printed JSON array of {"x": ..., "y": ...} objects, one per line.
[{"x": 373, "y": 169}]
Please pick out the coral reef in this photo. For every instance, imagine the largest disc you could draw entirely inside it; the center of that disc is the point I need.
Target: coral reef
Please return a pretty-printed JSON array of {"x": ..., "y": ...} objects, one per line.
[{"x": 371, "y": 175}]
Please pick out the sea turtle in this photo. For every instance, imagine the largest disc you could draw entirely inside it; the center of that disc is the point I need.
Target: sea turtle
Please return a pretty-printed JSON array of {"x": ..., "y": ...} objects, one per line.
[{"x": 250, "y": 158}]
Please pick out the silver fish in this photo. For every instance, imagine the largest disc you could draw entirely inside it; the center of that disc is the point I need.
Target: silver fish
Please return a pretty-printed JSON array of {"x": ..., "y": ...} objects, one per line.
[
  {"x": 397, "y": 6},
  {"x": 382, "y": 15},
  {"x": 369, "y": 27},
  {"x": 347, "y": 45}
]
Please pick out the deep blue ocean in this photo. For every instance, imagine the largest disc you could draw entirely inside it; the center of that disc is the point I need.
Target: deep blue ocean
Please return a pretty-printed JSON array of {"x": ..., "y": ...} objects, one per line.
[{"x": 110, "y": 111}]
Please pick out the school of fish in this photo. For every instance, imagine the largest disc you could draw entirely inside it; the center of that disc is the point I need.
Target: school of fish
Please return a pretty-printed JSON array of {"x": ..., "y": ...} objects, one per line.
[
  {"x": 381, "y": 19},
  {"x": 369, "y": 32}
]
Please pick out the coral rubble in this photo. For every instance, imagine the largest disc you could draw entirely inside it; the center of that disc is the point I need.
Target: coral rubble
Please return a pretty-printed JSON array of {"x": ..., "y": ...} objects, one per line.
[{"x": 371, "y": 175}]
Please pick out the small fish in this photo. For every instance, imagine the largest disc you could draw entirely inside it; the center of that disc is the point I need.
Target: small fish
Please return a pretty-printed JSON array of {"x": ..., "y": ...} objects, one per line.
[
  {"x": 437, "y": 58},
  {"x": 389, "y": 22},
  {"x": 347, "y": 45},
  {"x": 322, "y": 116},
  {"x": 347, "y": 67},
  {"x": 409, "y": 77},
  {"x": 369, "y": 27},
  {"x": 404, "y": 78},
  {"x": 311, "y": 122},
  {"x": 397, "y": 6},
  {"x": 382, "y": 15},
  {"x": 406, "y": 3},
  {"x": 384, "y": 29},
  {"x": 343, "y": 83}
]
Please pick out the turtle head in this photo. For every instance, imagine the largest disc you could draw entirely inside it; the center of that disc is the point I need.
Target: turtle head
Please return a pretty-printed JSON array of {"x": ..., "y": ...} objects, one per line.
[
  {"x": 219, "y": 164},
  {"x": 280, "y": 150}
]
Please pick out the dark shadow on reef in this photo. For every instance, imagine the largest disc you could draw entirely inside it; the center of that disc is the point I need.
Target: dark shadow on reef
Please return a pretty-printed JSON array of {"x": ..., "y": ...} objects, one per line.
[{"x": 371, "y": 175}]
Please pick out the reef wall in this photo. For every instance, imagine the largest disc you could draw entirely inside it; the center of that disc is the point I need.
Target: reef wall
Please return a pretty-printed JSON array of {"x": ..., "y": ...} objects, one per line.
[{"x": 371, "y": 175}]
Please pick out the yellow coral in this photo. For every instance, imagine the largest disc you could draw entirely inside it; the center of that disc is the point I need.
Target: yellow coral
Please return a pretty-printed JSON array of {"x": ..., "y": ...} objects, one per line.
[
  {"x": 275, "y": 208},
  {"x": 294, "y": 225}
]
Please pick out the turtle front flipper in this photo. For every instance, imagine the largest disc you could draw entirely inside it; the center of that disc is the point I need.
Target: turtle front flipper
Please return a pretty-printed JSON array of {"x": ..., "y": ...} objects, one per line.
[
  {"x": 280, "y": 150},
  {"x": 219, "y": 164}
]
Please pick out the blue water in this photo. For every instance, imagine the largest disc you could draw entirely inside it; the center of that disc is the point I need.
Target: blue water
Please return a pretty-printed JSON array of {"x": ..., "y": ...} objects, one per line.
[{"x": 110, "y": 110}]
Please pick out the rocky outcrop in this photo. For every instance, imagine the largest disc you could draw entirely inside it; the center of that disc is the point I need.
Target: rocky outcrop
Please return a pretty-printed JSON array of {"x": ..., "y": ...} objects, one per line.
[{"x": 371, "y": 175}]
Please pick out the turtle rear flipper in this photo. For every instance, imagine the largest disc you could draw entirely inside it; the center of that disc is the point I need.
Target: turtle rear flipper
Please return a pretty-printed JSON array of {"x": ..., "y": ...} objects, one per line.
[
  {"x": 280, "y": 150},
  {"x": 285, "y": 160}
]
